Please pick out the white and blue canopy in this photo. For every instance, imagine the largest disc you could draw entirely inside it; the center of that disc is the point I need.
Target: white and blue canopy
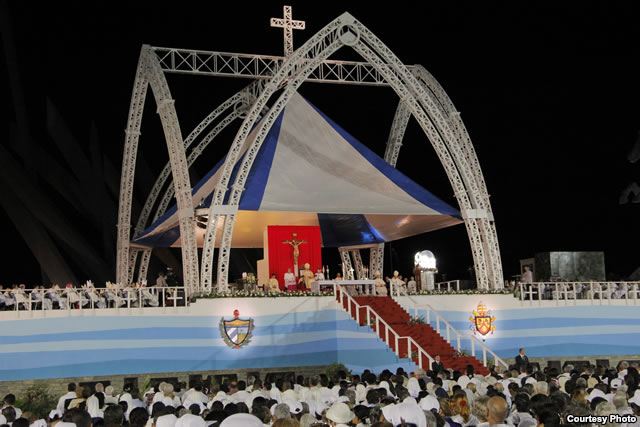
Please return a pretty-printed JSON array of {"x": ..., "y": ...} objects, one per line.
[{"x": 310, "y": 171}]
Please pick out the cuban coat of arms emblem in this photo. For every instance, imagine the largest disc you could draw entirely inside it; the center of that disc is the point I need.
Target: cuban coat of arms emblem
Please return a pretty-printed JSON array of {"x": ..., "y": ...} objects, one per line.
[
  {"x": 236, "y": 332},
  {"x": 482, "y": 320}
]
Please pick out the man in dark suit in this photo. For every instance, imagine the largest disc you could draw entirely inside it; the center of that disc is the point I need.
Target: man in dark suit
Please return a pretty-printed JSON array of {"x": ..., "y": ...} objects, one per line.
[
  {"x": 437, "y": 365},
  {"x": 522, "y": 361}
]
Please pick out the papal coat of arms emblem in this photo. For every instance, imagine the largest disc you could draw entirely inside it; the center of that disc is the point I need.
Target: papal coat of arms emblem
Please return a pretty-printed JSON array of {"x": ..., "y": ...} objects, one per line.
[
  {"x": 236, "y": 332},
  {"x": 482, "y": 320}
]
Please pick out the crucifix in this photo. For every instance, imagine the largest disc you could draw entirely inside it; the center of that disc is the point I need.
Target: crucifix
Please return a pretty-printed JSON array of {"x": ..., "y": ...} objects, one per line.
[
  {"x": 295, "y": 244},
  {"x": 288, "y": 24}
]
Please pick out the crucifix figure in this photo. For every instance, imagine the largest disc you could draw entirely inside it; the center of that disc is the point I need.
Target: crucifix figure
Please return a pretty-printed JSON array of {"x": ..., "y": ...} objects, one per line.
[
  {"x": 288, "y": 25},
  {"x": 295, "y": 244}
]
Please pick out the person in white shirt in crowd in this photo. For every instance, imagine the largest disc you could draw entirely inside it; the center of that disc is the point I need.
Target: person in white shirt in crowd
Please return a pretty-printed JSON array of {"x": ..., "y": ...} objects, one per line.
[
  {"x": 109, "y": 398},
  {"x": 68, "y": 396},
  {"x": 9, "y": 401},
  {"x": 446, "y": 398}
]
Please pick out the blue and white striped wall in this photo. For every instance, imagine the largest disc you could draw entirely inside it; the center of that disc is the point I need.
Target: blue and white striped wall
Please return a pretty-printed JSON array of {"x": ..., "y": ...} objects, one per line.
[
  {"x": 288, "y": 332},
  {"x": 546, "y": 329}
]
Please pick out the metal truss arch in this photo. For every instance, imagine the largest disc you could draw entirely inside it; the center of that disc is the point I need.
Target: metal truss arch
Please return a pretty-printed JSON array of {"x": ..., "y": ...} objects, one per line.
[
  {"x": 150, "y": 73},
  {"x": 228, "y": 111},
  {"x": 406, "y": 86},
  {"x": 301, "y": 63},
  {"x": 420, "y": 96}
]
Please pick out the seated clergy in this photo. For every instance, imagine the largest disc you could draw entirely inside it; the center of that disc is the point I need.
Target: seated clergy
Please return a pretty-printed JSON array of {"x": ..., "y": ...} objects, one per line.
[
  {"x": 290, "y": 280},
  {"x": 306, "y": 278},
  {"x": 274, "y": 286},
  {"x": 381, "y": 287}
]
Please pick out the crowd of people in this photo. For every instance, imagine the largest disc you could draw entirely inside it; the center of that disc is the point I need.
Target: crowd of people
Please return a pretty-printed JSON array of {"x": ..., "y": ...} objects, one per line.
[
  {"x": 523, "y": 397},
  {"x": 113, "y": 295}
]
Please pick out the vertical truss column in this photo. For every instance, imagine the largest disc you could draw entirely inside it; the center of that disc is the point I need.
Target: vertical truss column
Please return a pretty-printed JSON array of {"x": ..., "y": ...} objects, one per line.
[
  {"x": 357, "y": 259},
  {"x": 178, "y": 160},
  {"x": 132, "y": 135},
  {"x": 133, "y": 255},
  {"x": 347, "y": 267},
  {"x": 376, "y": 260},
  {"x": 391, "y": 153},
  {"x": 396, "y": 134},
  {"x": 143, "y": 270}
]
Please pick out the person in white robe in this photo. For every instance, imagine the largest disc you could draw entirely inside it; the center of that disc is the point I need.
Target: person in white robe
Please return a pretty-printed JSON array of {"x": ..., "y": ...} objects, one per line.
[
  {"x": 397, "y": 284},
  {"x": 149, "y": 298},
  {"x": 290, "y": 281},
  {"x": 3, "y": 298},
  {"x": 161, "y": 281},
  {"x": 38, "y": 296},
  {"x": 113, "y": 296},
  {"x": 55, "y": 295},
  {"x": 72, "y": 296},
  {"x": 9, "y": 300},
  {"x": 319, "y": 275},
  {"x": 412, "y": 285},
  {"x": 20, "y": 298},
  {"x": 273, "y": 286},
  {"x": 621, "y": 290},
  {"x": 381, "y": 287}
]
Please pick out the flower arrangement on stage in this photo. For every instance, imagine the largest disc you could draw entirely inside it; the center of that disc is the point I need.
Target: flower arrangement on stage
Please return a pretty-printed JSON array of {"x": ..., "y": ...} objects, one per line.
[
  {"x": 261, "y": 294},
  {"x": 464, "y": 292},
  {"x": 417, "y": 320}
]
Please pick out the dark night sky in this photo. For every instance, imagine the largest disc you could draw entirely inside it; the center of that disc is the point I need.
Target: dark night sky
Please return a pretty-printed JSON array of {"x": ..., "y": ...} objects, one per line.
[{"x": 549, "y": 94}]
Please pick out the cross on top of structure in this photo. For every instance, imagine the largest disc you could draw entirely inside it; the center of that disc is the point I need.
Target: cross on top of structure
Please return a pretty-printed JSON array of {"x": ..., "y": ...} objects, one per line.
[{"x": 288, "y": 25}]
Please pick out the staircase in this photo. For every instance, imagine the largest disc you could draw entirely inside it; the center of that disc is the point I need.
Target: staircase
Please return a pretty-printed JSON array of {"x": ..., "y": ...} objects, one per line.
[
  {"x": 424, "y": 335},
  {"x": 416, "y": 341}
]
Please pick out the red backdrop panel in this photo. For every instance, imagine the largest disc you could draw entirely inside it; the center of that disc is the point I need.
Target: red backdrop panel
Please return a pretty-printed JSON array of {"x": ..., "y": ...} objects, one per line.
[{"x": 281, "y": 254}]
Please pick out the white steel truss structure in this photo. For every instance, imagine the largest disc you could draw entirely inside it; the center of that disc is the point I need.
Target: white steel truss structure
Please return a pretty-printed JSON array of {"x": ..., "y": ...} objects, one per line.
[
  {"x": 359, "y": 266},
  {"x": 376, "y": 260},
  {"x": 347, "y": 267},
  {"x": 420, "y": 96}
]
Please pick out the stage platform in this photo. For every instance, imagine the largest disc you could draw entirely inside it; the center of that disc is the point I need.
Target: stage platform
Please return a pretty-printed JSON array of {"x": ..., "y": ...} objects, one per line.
[{"x": 288, "y": 331}]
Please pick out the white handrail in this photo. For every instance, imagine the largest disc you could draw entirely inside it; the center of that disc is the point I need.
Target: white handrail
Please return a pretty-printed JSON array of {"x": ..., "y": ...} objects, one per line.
[
  {"x": 387, "y": 328},
  {"x": 585, "y": 291},
  {"x": 472, "y": 338},
  {"x": 448, "y": 283},
  {"x": 125, "y": 297}
]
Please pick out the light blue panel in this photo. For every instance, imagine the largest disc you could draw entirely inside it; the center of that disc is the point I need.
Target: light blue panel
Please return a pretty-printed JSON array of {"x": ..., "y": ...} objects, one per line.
[
  {"x": 562, "y": 331},
  {"x": 291, "y": 339}
]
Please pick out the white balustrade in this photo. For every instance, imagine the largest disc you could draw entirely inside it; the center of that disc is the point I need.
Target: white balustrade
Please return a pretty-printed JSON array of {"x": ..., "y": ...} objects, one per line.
[{"x": 583, "y": 293}]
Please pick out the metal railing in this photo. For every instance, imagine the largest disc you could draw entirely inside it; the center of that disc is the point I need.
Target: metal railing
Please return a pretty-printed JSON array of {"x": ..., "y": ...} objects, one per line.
[
  {"x": 448, "y": 284},
  {"x": 91, "y": 298},
  {"x": 474, "y": 342},
  {"x": 390, "y": 336},
  {"x": 574, "y": 292}
]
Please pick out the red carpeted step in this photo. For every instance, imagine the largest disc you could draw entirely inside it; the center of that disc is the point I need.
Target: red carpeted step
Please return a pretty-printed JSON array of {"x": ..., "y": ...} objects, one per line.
[{"x": 425, "y": 335}]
